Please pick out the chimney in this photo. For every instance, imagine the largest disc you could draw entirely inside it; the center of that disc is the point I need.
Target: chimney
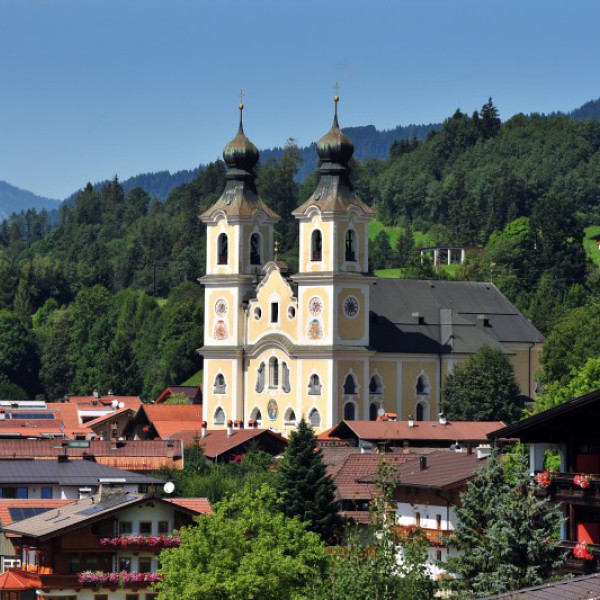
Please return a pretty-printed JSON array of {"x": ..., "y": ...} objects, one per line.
[
  {"x": 422, "y": 463},
  {"x": 253, "y": 423},
  {"x": 405, "y": 447},
  {"x": 229, "y": 428},
  {"x": 239, "y": 424},
  {"x": 418, "y": 318},
  {"x": 483, "y": 320},
  {"x": 203, "y": 430},
  {"x": 443, "y": 420},
  {"x": 411, "y": 421}
]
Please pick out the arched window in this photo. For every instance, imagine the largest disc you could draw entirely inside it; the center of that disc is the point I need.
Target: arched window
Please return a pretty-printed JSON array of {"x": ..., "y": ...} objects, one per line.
[
  {"x": 423, "y": 388},
  {"x": 373, "y": 410},
  {"x": 219, "y": 418},
  {"x": 316, "y": 246},
  {"x": 285, "y": 384},
  {"x": 220, "y": 385},
  {"x": 375, "y": 385},
  {"x": 256, "y": 249},
  {"x": 350, "y": 387},
  {"x": 422, "y": 411},
  {"x": 351, "y": 245},
  {"x": 256, "y": 415},
  {"x": 260, "y": 378},
  {"x": 314, "y": 385},
  {"x": 349, "y": 411},
  {"x": 222, "y": 249},
  {"x": 273, "y": 372},
  {"x": 290, "y": 417},
  {"x": 314, "y": 418}
]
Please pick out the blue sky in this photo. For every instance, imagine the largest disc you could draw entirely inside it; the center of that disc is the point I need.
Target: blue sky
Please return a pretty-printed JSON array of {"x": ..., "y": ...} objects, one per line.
[{"x": 94, "y": 88}]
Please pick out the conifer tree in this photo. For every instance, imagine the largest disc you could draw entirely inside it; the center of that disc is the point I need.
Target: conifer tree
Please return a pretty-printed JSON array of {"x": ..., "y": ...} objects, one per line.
[
  {"x": 507, "y": 537},
  {"x": 306, "y": 489}
]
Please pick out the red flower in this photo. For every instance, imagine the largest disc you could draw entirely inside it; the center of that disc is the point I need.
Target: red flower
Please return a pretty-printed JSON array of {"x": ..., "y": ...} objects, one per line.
[
  {"x": 583, "y": 481},
  {"x": 581, "y": 551},
  {"x": 236, "y": 459},
  {"x": 545, "y": 478}
]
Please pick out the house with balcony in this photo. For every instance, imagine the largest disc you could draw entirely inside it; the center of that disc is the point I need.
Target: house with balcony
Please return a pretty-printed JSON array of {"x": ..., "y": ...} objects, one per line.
[
  {"x": 571, "y": 430},
  {"x": 99, "y": 547}
]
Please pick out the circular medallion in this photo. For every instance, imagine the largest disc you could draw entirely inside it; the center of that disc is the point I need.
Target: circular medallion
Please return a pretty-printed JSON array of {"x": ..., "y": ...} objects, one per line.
[
  {"x": 272, "y": 409},
  {"x": 351, "y": 307},
  {"x": 315, "y": 306},
  {"x": 221, "y": 307}
]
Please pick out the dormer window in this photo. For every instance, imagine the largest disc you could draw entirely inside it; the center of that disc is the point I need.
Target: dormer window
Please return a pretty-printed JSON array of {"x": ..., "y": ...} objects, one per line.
[
  {"x": 222, "y": 249},
  {"x": 316, "y": 246},
  {"x": 351, "y": 245},
  {"x": 255, "y": 249}
]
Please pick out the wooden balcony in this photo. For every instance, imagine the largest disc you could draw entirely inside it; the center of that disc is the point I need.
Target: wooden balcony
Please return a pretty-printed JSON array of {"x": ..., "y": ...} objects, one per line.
[
  {"x": 577, "y": 566},
  {"x": 563, "y": 489},
  {"x": 71, "y": 582}
]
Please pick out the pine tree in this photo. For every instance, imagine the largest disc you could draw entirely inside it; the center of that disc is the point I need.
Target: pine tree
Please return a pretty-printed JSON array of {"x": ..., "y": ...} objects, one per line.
[
  {"x": 507, "y": 537},
  {"x": 306, "y": 489}
]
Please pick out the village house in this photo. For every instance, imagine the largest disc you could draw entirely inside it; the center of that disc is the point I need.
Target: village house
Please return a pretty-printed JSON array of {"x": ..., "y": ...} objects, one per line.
[{"x": 99, "y": 547}]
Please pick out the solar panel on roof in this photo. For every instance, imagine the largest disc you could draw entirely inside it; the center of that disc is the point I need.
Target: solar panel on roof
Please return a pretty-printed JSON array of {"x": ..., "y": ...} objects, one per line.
[
  {"x": 32, "y": 416},
  {"x": 18, "y": 514},
  {"x": 106, "y": 505}
]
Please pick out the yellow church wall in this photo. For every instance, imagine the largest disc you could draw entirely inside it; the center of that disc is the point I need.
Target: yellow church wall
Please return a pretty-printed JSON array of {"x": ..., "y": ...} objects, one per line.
[
  {"x": 327, "y": 256},
  {"x": 357, "y": 367},
  {"x": 348, "y": 328},
  {"x": 233, "y": 258},
  {"x": 388, "y": 371},
  {"x": 211, "y": 400},
  {"x": 410, "y": 373},
  {"x": 526, "y": 365},
  {"x": 308, "y": 401},
  {"x": 212, "y": 328},
  {"x": 275, "y": 289}
]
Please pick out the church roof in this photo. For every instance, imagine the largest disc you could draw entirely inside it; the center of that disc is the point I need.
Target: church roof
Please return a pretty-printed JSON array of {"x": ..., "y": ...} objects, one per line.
[
  {"x": 444, "y": 317},
  {"x": 240, "y": 198},
  {"x": 334, "y": 193}
]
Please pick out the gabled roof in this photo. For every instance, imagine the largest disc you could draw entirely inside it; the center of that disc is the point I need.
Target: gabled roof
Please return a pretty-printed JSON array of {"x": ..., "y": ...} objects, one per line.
[
  {"x": 554, "y": 424},
  {"x": 89, "y": 510},
  {"x": 88, "y": 402},
  {"x": 217, "y": 442},
  {"x": 12, "y": 508},
  {"x": 198, "y": 505},
  {"x": 15, "y": 581},
  {"x": 422, "y": 430},
  {"x": 168, "y": 419},
  {"x": 110, "y": 417},
  {"x": 62, "y": 420},
  {"x": 444, "y": 317},
  {"x": 70, "y": 472}
]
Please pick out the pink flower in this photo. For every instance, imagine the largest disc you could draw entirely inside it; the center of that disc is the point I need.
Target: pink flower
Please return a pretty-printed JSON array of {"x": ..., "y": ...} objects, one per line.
[
  {"x": 583, "y": 481},
  {"x": 545, "y": 478}
]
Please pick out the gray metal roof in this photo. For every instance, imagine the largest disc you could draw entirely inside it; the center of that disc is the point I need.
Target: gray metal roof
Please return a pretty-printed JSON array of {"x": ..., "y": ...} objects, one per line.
[
  {"x": 72, "y": 472},
  {"x": 579, "y": 588},
  {"x": 453, "y": 317}
]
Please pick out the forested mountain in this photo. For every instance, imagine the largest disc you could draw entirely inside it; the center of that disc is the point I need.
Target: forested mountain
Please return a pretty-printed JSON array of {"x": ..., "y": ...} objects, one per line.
[
  {"x": 109, "y": 298},
  {"x": 14, "y": 199},
  {"x": 589, "y": 110}
]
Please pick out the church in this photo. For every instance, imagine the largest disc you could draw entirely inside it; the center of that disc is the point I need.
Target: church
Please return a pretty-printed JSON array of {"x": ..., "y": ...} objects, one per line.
[{"x": 332, "y": 341}]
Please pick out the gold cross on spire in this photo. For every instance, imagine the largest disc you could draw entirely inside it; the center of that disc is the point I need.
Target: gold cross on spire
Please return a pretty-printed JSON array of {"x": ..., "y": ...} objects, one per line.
[
  {"x": 336, "y": 87},
  {"x": 242, "y": 99}
]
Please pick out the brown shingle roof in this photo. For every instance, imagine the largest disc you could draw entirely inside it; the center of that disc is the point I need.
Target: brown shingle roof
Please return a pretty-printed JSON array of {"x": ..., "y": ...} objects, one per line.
[
  {"x": 217, "y": 442},
  {"x": 199, "y": 505},
  {"x": 422, "y": 430}
]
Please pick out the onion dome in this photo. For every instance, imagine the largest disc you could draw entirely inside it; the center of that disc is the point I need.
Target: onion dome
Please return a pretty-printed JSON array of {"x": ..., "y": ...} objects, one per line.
[
  {"x": 335, "y": 146},
  {"x": 240, "y": 153}
]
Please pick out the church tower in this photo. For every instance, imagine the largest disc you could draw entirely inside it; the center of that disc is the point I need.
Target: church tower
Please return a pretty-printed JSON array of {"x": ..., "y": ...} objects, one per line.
[
  {"x": 333, "y": 285},
  {"x": 239, "y": 239}
]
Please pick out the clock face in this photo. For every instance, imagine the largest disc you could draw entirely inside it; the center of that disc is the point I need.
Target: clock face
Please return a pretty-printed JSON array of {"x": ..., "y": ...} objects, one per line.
[{"x": 351, "y": 307}]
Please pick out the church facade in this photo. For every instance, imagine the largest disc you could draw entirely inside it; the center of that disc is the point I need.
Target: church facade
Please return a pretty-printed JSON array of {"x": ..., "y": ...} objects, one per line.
[{"x": 331, "y": 342}]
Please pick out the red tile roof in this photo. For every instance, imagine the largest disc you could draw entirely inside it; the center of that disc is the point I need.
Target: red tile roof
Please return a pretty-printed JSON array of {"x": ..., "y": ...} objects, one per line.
[
  {"x": 422, "y": 430},
  {"x": 85, "y": 402},
  {"x": 168, "y": 419},
  {"x": 18, "y": 580},
  {"x": 199, "y": 505},
  {"x": 217, "y": 442}
]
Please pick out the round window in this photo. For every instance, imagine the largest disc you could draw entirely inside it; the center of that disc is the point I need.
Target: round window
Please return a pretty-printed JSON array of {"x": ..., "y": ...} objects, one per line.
[
  {"x": 257, "y": 313},
  {"x": 291, "y": 312}
]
